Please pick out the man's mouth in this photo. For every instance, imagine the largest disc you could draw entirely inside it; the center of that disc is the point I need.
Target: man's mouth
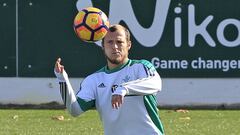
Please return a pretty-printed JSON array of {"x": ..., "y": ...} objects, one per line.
[{"x": 115, "y": 52}]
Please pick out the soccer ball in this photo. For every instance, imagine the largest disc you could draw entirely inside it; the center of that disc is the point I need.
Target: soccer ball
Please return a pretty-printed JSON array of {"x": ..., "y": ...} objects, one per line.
[{"x": 91, "y": 24}]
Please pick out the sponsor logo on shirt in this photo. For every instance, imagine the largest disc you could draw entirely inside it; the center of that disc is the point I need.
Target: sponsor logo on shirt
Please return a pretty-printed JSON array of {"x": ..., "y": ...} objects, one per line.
[{"x": 102, "y": 85}]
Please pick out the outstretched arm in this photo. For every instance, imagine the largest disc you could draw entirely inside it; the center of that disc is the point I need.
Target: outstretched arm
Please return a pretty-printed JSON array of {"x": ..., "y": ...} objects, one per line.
[{"x": 66, "y": 90}]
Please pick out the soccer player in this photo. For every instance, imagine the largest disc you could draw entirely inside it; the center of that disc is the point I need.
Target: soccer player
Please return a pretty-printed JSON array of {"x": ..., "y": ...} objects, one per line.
[{"x": 123, "y": 92}]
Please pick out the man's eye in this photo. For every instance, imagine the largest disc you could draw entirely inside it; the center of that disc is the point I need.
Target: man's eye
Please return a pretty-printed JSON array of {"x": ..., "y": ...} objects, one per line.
[
  {"x": 110, "y": 42},
  {"x": 120, "y": 42}
]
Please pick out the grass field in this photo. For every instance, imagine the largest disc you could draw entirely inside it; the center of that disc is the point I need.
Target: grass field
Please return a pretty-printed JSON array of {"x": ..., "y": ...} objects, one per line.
[{"x": 51, "y": 122}]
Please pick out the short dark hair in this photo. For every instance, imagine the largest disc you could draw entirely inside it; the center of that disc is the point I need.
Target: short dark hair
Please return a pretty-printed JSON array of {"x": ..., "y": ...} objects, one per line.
[{"x": 116, "y": 27}]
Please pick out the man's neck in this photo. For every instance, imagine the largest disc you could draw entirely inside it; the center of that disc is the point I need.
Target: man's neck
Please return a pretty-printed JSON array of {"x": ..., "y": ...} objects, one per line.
[{"x": 112, "y": 65}]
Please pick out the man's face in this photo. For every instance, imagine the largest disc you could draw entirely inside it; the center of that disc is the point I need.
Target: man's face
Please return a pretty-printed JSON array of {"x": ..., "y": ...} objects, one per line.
[{"x": 116, "y": 47}]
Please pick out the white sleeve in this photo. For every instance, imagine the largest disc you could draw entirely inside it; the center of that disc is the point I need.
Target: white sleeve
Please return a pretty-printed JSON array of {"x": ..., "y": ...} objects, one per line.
[
  {"x": 148, "y": 82},
  {"x": 68, "y": 95},
  {"x": 143, "y": 86}
]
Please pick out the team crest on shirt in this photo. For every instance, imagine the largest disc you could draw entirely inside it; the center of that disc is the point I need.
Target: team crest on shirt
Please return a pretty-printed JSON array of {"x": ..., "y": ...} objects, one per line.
[
  {"x": 114, "y": 87},
  {"x": 126, "y": 78}
]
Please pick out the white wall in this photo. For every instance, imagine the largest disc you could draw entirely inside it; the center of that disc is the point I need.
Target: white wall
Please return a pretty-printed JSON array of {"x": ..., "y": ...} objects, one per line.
[{"x": 175, "y": 91}]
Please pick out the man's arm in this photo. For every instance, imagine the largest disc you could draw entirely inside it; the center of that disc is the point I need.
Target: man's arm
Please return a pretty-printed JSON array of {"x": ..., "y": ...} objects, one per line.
[
  {"x": 149, "y": 83},
  {"x": 67, "y": 93},
  {"x": 144, "y": 86}
]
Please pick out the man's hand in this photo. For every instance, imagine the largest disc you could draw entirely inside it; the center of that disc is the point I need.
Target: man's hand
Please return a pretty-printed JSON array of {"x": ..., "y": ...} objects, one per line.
[
  {"x": 117, "y": 101},
  {"x": 58, "y": 67}
]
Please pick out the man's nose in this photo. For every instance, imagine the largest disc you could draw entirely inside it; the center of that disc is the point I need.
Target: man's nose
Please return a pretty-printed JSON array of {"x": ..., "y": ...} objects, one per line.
[{"x": 115, "y": 45}]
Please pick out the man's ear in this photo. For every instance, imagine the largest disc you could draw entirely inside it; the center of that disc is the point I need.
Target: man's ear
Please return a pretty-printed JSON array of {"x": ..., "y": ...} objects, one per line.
[{"x": 129, "y": 45}]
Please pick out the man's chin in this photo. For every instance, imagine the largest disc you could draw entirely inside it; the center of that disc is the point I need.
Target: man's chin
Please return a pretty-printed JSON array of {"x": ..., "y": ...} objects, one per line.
[{"x": 115, "y": 61}]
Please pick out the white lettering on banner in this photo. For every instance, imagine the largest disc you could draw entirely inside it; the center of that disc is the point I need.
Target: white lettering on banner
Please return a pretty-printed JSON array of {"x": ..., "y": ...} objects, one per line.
[
  {"x": 83, "y": 4},
  {"x": 149, "y": 37},
  {"x": 201, "y": 29},
  {"x": 178, "y": 28},
  {"x": 220, "y": 32},
  {"x": 199, "y": 63},
  {"x": 194, "y": 30},
  {"x": 169, "y": 64}
]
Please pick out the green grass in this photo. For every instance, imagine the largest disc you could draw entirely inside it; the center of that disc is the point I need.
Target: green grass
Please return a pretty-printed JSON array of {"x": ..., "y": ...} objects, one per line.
[
  {"x": 201, "y": 122},
  {"x": 41, "y": 122}
]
